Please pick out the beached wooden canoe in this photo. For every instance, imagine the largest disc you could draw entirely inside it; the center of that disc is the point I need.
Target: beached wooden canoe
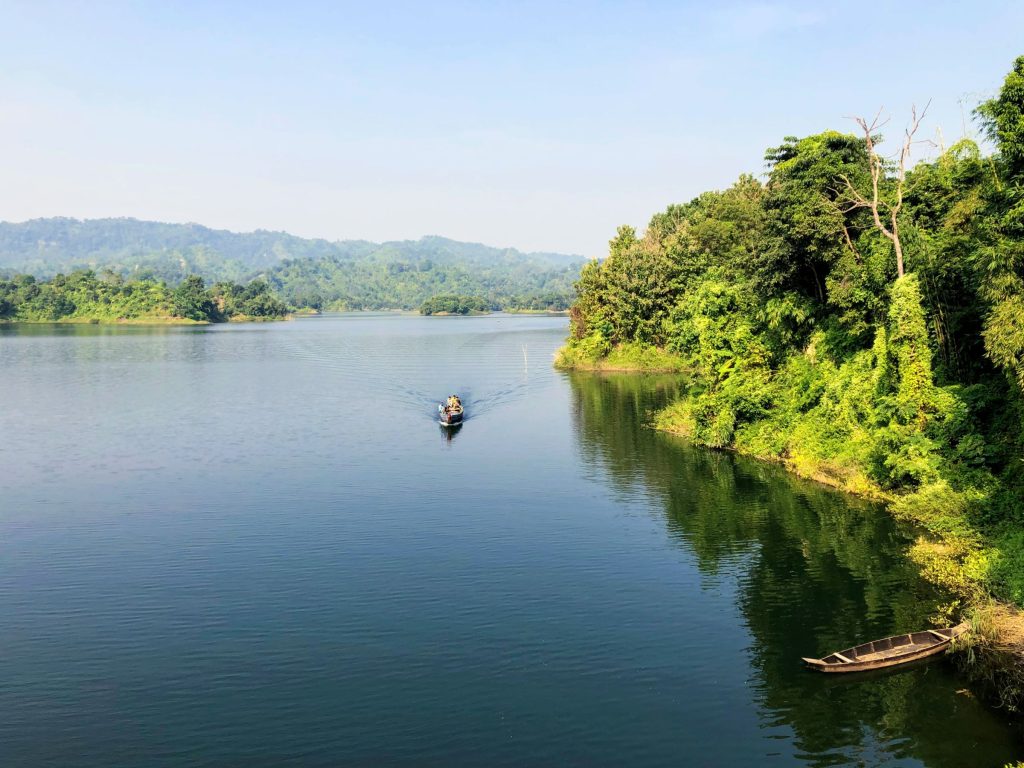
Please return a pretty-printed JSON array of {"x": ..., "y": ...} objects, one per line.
[{"x": 889, "y": 651}]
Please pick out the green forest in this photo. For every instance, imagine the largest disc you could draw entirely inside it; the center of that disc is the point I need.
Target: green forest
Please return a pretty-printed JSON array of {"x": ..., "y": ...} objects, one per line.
[
  {"x": 855, "y": 316},
  {"x": 393, "y": 281},
  {"x": 304, "y": 273},
  {"x": 82, "y": 296}
]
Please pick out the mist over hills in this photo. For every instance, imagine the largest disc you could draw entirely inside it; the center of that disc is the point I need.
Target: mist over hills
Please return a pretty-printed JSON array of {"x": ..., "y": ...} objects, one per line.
[{"x": 352, "y": 274}]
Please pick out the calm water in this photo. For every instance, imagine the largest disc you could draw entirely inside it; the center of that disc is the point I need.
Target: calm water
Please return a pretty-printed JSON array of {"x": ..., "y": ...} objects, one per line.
[{"x": 254, "y": 545}]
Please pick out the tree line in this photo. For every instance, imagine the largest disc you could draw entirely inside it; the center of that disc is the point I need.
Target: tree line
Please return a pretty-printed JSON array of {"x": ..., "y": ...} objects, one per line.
[
  {"x": 84, "y": 296},
  {"x": 346, "y": 284}
]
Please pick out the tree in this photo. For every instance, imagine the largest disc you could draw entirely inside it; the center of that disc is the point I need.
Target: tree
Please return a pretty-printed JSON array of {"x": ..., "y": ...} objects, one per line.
[
  {"x": 1002, "y": 261},
  {"x": 1003, "y": 120},
  {"x": 806, "y": 231},
  {"x": 643, "y": 282},
  {"x": 190, "y": 300},
  {"x": 876, "y": 203}
]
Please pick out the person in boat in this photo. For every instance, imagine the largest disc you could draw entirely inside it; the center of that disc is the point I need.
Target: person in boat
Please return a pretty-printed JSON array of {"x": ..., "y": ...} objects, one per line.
[{"x": 453, "y": 402}]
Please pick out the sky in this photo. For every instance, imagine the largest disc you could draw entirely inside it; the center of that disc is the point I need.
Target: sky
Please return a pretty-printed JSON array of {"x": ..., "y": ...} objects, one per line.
[{"x": 540, "y": 126}]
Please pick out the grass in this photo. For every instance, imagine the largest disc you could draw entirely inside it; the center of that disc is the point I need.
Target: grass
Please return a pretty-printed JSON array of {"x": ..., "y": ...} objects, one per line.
[{"x": 621, "y": 357}]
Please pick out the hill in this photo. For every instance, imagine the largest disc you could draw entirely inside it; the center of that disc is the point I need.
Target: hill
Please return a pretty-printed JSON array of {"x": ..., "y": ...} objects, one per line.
[{"x": 305, "y": 272}]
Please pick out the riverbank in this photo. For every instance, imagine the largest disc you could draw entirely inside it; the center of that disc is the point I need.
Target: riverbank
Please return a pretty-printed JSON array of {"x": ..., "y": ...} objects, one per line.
[
  {"x": 622, "y": 357},
  {"x": 260, "y": 318},
  {"x": 471, "y": 313},
  {"x": 952, "y": 551},
  {"x": 546, "y": 312},
  {"x": 148, "y": 320},
  {"x": 153, "y": 320}
]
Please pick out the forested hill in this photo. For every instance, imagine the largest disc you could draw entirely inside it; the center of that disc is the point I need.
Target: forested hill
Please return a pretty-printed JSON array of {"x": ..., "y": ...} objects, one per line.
[
  {"x": 352, "y": 274},
  {"x": 855, "y": 316}
]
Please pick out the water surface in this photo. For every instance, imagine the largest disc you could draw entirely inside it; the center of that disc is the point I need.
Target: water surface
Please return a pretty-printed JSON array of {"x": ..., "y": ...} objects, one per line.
[{"x": 254, "y": 545}]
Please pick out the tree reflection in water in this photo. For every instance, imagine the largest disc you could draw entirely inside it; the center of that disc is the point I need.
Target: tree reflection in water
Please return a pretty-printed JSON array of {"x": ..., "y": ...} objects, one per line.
[{"x": 814, "y": 570}]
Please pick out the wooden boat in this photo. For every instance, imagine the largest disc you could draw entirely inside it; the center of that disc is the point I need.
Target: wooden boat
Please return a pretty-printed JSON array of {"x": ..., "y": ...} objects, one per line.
[
  {"x": 449, "y": 415},
  {"x": 889, "y": 651}
]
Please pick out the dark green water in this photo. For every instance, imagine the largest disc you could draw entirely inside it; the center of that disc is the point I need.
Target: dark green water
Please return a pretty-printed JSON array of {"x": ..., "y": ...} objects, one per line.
[{"x": 253, "y": 545}]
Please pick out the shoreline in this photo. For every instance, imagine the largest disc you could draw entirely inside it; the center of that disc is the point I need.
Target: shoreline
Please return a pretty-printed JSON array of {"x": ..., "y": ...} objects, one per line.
[
  {"x": 146, "y": 321},
  {"x": 106, "y": 321},
  {"x": 625, "y": 358},
  {"x": 471, "y": 313},
  {"x": 551, "y": 312}
]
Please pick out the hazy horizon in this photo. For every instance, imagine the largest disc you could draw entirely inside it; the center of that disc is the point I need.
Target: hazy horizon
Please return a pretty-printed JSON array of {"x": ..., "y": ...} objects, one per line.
[{"x": 522, "y": 126}]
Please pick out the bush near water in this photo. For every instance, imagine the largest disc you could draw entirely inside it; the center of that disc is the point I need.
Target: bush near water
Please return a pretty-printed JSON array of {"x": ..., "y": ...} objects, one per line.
[{"x": 784, "y": 301}]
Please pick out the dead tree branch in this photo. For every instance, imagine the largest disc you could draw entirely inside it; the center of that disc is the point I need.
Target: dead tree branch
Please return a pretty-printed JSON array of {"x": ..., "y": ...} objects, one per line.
[{"x": 889, "y": 225}]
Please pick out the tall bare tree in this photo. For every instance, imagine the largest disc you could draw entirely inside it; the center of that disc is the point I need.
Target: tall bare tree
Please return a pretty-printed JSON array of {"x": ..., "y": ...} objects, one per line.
[{"x": 884, "y": 213}]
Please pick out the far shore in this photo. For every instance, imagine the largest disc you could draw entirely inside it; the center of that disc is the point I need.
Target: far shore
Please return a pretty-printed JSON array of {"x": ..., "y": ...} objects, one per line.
[
  {"x": 143, "y": 321},
  {"x": 109, "y": 321}
]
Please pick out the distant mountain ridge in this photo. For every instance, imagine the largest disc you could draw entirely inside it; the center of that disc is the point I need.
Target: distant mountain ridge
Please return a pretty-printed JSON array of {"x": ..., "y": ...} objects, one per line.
[
  {"x": 44, "y": 246},
  {"x": 304, "y": 271}
]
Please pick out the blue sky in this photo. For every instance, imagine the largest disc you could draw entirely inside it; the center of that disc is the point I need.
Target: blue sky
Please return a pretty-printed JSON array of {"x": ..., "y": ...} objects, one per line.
[{"x": 536, "y": 125}]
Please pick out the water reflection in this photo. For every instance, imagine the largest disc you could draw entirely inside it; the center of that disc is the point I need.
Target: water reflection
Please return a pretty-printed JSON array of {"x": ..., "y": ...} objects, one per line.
[
  {"x": 449, "y": 432},
  {"x": 813, "y": 570}
]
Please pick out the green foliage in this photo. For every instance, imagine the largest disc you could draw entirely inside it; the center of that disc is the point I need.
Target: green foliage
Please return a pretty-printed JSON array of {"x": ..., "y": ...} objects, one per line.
[
  {"x": 783, "y": 303},
  {"x": 908, "y": 346},
  {"x": 594, "y": 353},
  {"x": 253, "y": 301},
  {"x": 1004, "y": 566},
  {"x": 454, "y": 305},
  {"x": 389, "y": 280},
  {"x": 1003, "y": 118},
  {"x": 1001, "y": 257},
  {"x": 947, "y": 212},
  {"x": 804, "y": 233},
  {"x": 191, "y": 301},
  {"x": 83, "y": 297},
  {"x": 629, "y": 296}
]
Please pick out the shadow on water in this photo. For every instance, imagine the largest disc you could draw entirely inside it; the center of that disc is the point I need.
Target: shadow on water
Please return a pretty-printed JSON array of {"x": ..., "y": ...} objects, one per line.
[
  {"x": 813, "y": 570},
  {"x": 64, "y": 330},
  {"x": 448, "y": 432}
]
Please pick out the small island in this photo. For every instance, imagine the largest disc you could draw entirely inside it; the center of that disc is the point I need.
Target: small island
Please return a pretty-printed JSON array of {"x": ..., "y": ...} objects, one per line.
[
  {"x": 456, "y": 305},
  {"x": 85, "y": 297}
]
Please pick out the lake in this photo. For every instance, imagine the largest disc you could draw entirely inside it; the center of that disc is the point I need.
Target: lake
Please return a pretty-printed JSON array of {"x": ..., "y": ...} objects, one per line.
[{"x": 254, "y": 545}]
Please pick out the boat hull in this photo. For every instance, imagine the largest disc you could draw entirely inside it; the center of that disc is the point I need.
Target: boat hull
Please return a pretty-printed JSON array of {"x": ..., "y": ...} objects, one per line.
[
  {"x": 888, "y": 652},
  {"x": 450, "y": 418}
]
